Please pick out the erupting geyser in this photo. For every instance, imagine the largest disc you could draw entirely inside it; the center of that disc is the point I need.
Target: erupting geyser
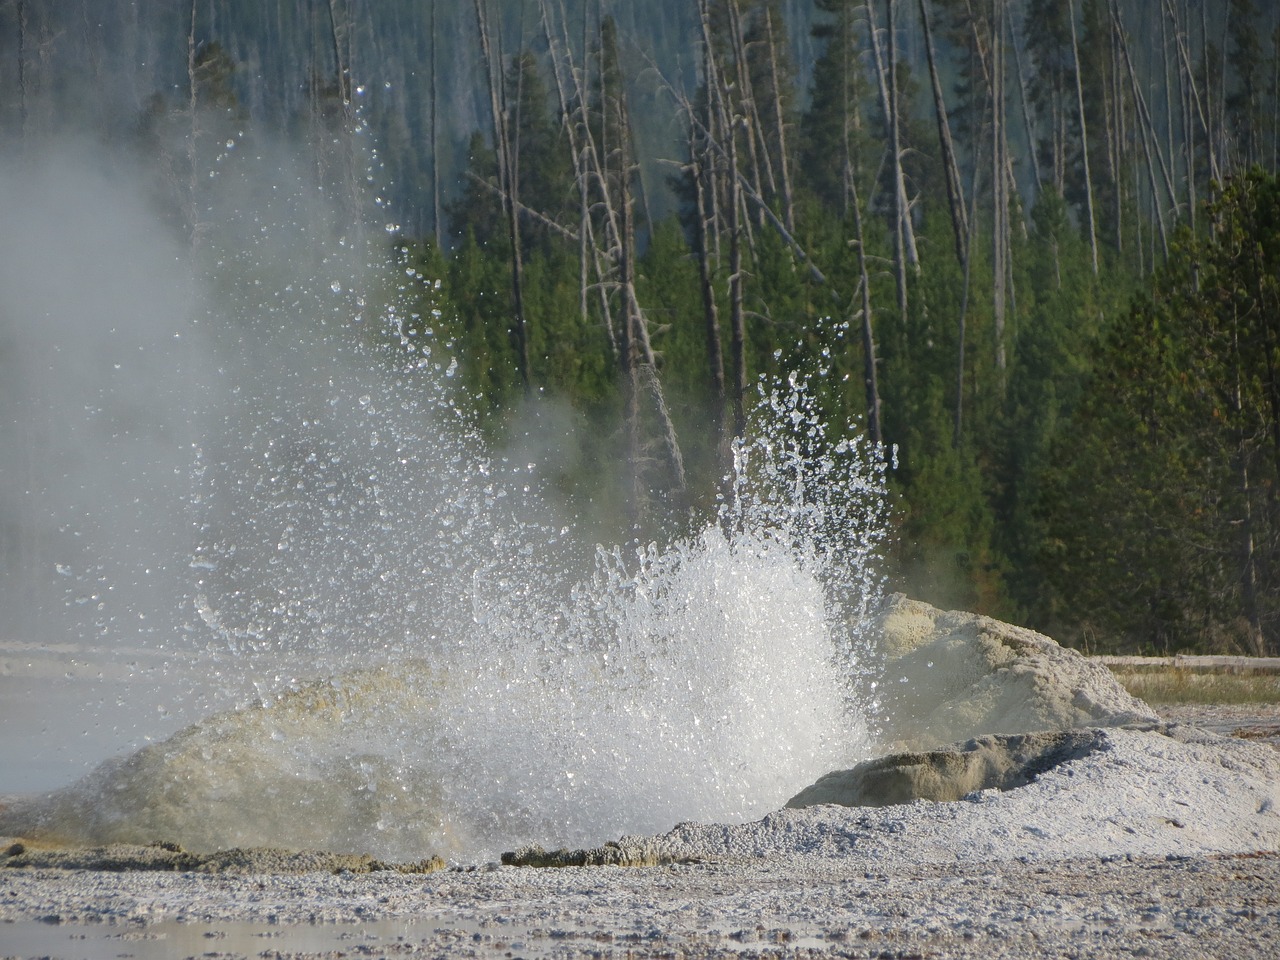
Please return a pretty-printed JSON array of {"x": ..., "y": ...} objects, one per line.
[{"x": 441, "y": 664}]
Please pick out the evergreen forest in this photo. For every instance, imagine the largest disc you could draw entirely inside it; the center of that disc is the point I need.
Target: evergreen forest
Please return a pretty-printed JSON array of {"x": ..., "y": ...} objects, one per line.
[{"x": 1029, "y": 248}]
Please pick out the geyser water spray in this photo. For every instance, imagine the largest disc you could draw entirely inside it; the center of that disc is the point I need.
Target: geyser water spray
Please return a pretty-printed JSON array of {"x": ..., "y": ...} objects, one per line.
[{"x": 427, "y": 658}]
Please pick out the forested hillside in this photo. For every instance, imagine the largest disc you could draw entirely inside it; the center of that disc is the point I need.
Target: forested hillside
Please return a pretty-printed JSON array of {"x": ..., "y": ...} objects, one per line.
[{"x": 1031, "y": 247}]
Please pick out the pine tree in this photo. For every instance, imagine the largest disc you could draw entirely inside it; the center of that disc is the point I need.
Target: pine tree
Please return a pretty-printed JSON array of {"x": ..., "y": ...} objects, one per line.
[{"x": 1162, "y": 527}]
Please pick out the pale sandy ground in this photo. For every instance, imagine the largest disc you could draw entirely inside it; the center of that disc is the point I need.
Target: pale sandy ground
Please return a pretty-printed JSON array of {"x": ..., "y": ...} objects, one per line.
[
  {"x": 1091, "y": 907},
  {"x": 1079, "y": 864}
]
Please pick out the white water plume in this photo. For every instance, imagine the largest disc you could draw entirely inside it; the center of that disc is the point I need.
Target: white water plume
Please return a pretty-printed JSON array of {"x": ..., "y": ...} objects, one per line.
[
  {"x": 440, "y": 664},
  {"x": 703, "y": 680}
]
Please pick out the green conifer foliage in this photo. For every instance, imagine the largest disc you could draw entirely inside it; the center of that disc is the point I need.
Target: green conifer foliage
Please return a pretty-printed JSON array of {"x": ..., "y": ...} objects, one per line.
[{"x": 1161, "y": 520}]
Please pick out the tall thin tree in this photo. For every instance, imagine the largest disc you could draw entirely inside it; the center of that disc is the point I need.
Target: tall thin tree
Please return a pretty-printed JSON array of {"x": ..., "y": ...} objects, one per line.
[
  {"x": 509, "y": 185},
  {"x": 1084, "y": 140}
]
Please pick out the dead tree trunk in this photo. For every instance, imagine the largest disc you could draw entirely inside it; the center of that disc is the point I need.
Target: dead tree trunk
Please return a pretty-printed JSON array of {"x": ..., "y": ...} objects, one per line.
[
  {"x": 784, "y": 172},
  {"x": 1026, "y": 113},
  {"x": 636, "y": 351},
  {"x": 957, "y": 436},
  {"x": 737, "y": 317},
  {"x": 999, "y": 192},
  {"x": 436, "y": 216},
  {"x": 870, "y": 375},
  {"x": 507, "y": 177},
  {"x": 1188, "y": 152},
  {"x": 750, "y": 117},
  {"x": 955, "y": 192},
  {"x": 1084, "y": 140},
  {"x": 573, "y": 111},
  {"x": 1245, "y": 524},
  {"x": 903, "y": 234},
  {"x": 901, "y": 200},
  {"x": 1145, "y": 132},
  {"x": 728, "y": 125},
  {"x": 1202, "y": 110},
  {"x": 1115, "y": 151},
  {"x": 340, "y": 38},
  {"x": 191, "y": 201},
  {"x": 703, "y": 173}
]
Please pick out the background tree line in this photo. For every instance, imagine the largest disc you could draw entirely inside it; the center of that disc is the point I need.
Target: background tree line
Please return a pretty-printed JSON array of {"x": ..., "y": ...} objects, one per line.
[{"x": 1032, "y": 246}]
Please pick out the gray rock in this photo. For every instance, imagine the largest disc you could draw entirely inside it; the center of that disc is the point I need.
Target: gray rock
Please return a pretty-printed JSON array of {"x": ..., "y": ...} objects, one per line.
[
  {"x": 948, "y": 676},
  {"x": 308, "y": 770},
  {"x": 1000, "y": 762}
]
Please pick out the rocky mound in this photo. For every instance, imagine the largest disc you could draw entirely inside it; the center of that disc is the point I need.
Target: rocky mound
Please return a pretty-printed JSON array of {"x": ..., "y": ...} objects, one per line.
[
  {"x": 1000, "y": 762},
  {"x": 949, "y": 676},
  {"x": 1146, "y": 790},
  {"x": 309, "y": 770},
  {"x": 365, "y": 761}
]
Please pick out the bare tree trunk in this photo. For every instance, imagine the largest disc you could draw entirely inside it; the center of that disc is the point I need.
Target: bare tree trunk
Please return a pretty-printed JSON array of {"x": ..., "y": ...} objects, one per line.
[
  {"x": 870, "y": 375},
  {"x": 850, "y": 117},
  {"x": 1188, "y": 128},
  {"x": 1171, "y": 111},
  {"x": 1144, "y": 114},
  {"x": 1201, "y": 112},
  {"x": 903, "y": 249},
  {"x": 636, "y": 353},
  {"x": 573, "y": 118},
  {"x": 1224, "y": 151},
  {"x": 788, "y": 210},
  {"x": 1248, "y": 551},
  {"x": 1026, "y": 115},
  {"x": 887, "y": 86},
  {"x": 436, "y": 217},
  {"x": 1146, "y": 132},
  {"x": 998, "y": 29},
  {"x": 902, "y": 201},
  {"x": 644, "y": 367},
  {"x": 1249, "y": 571},
  {"x": 193, "y": 97},
  {"x": 737, "y": 319},
  {"x": 702, "y": 172},
  {"x": 631, "y": 386},
  {"x": 340, "y": 41},
  {"x": 733, "y": 203},
  {"x": 1115, "y": 151},
  {"x": 955, "y": 192},
  {"x": 957, "y": 436},
  {"x": 746, "y": 99},
  {"x": 507, "y": 176},
  {"x": 1084, "y": 140},
  {"x": 999, "y": 192}
]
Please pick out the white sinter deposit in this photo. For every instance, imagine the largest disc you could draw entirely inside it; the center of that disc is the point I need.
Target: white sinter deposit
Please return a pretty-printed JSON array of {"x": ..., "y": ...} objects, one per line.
[
  {"x": 951, "y": 675},
  {"x": 1065, "y": 764}
]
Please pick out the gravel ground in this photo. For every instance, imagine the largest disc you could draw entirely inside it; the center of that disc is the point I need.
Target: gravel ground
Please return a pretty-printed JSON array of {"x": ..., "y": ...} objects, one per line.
[
  {"x": 1214, "y": 906},
  {"x": 1152, "y": 847},
  {"x": 1259, "y": 722}
]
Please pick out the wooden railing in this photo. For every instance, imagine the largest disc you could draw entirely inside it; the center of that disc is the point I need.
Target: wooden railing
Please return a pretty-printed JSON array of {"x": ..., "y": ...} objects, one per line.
[{"x": 1194, "y": 664}]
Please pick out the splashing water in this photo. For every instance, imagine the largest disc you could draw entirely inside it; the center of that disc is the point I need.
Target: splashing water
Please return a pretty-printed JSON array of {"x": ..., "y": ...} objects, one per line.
[
  {"x": 708, "y": 680},
  {"x": 435, "y": 665},
  {"x": 699, "y": 681}
]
